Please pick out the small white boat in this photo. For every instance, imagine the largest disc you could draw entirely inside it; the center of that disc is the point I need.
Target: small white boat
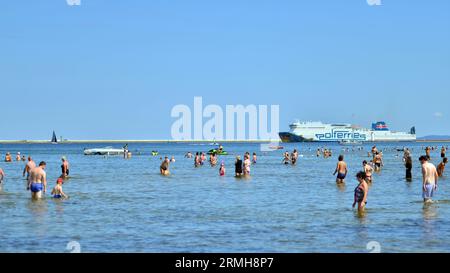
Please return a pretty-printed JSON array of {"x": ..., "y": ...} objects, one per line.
[
  {"x": 104, "y": 151},
  {"x": 350, "y": 142}
]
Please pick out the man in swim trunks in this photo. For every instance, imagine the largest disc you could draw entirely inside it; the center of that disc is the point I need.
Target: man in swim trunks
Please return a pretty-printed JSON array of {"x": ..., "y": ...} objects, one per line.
[
  {"x": 38, "y": 181},
  {"x": 430, "y": 179},
  {"x": 64, "y": 167},
  {"x": 341, "y": 170},
  {"x": 164, "y": 168},
  {"x": 368, "y": 170},
  {"x": 28, "y": 167},
  {"x": 378, "y": 160},
  {"x": 441, "y": 167}
]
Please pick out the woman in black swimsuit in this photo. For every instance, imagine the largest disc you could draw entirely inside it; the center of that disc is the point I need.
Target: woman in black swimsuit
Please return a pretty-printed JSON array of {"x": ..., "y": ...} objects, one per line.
[
  {"x": 361, "y": 192},
  {"x": 238, "y": 166}
]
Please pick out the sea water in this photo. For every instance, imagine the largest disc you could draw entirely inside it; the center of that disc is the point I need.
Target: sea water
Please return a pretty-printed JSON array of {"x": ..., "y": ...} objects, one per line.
[{"x": 119, "y": 205}]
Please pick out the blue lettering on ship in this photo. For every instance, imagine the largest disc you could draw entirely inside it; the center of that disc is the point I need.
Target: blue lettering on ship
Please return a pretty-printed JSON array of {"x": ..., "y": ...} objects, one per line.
[{"x": 336, "y": 135}]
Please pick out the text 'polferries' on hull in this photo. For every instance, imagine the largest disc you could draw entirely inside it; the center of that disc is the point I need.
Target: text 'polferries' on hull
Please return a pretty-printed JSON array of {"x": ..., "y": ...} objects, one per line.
[{"x": 321, "y": 132}]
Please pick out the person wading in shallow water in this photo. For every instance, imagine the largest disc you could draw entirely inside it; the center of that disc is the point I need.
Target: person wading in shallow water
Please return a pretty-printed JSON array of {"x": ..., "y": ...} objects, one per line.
[
  {"x": 361, "y": 192},
  {"x": 408, "y": 166},
  {"x": 430, "y": 179},
  {"x": 341, "y": 170}
]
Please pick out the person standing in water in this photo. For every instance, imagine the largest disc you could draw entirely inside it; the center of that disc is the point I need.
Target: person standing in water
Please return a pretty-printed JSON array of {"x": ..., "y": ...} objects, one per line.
[
  {"x": 428, "y": 152},
  {"x": 222, "y": 169},
  {"x": 28, "y": 167},
  {"x": 164, "y": 168},
  {"x": 238, "y": 166},
  {"x": 430, "y": 179},
  {"x": 341, "y": 170},
  {"x": 255, "y": 158},
  {"x": 37, "y": 183},
  {"x": 443, "y": 152},
  {"x": 368, "y": 170},
  {"x": 197, "y": 161},
  {"x": 8, "y": 157},
  {"x": 378, "y": 160},
  {"x": 441, "y": 167},
  {"x": 64, "y": 168},
  {"x": 361, "y": 192},
  {"x": 286, "y": 158},
  {"x": 2, "y": 176},
  {"x": 408, "y": 166},
  {"x": 213, "y": 159},
  {"x": 18, "y": 157},
  {"x": 247, "y": 164},
  {"x": 294, "y": 157}
]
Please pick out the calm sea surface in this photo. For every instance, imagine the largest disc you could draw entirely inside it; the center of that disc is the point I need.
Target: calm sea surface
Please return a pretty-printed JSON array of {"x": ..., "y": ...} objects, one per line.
[{"x": 119, "y": 205}]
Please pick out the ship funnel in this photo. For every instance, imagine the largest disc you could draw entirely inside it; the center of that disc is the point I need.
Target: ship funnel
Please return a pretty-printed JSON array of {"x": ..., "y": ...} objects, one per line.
[{"x": 413, "y": 130}]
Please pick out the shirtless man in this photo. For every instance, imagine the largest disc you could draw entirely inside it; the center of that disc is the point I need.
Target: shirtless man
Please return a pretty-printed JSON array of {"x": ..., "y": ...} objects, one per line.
[
  {"x": 164, "y": 168},
  {"x": 341, "y": 170},
  {"x": 441, "y": 167},
  {"x": 38, "y": 181},
  {"x": 368, "y": 170},
  {"x": 430, "y": 179},
  {"x": 294, "y": 157},
  {"x": 378, "y": 160},
  {"x": 28, "y": 167},
  {"x": 443, "y": 152}
]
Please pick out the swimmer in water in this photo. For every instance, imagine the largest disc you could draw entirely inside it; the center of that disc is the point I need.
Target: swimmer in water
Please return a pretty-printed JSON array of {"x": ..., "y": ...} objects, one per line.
[
  {"x": 443, "y": 152},
  {"x": 28, "y": 167},
  {"x": 213, "y": 159},
  {"x": 18, "y": 157},
  {"x": 172, "y": 160},
  {"x": 202, "y": 158},
  {"x": 37, "y": 183},
  {"x": 24, "y": 158},
  {"x": 255, "y": 158},
  {"x": 57, "y": 191},
  {"x": 430, "y": 179},
  {"x": 222, "y": 170},
  {"x": 164, "y": 168},
  {"x": 188, "y": 155},
  {"x": 318, "y": 153},
  {"x": 361, "y": 192},
  {"x": 441, "y": 167},
  {"x": 341, "y": 170}
]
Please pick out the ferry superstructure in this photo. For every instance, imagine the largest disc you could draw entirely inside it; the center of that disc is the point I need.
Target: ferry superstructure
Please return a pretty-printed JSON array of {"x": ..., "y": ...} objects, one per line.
[{"x": 322, "y": 132}]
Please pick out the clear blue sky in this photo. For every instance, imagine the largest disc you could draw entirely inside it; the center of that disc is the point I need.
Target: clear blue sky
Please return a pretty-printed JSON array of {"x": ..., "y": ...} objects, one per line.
[{"x": 114, "y": 69}]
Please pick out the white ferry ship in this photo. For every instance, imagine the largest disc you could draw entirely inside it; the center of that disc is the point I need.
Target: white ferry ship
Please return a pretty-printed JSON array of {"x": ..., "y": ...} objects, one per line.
[{"x": 321, "y": 132}]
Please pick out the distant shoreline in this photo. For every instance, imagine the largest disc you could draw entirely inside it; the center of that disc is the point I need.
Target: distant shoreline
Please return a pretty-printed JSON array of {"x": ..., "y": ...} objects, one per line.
[{"x": 178, "y": 141}]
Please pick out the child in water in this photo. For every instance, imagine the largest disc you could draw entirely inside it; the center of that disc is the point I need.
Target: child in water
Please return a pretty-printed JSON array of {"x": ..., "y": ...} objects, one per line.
[
  {"x": 57, "y": 191},
  {"x": 222, "y": 169}
]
